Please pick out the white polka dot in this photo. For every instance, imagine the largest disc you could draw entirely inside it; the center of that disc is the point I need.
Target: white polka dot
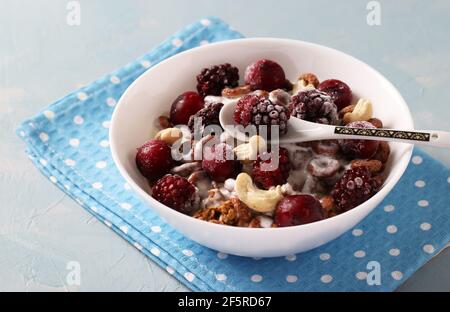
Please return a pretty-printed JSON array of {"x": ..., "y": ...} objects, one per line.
[
  {"x": 257, "y": 258},
  {"x": 394, "y": 252},
  {"x": 357, "y": 232},
  {"x": 94, "y": 209},
  {"x": 361, "y": 275},
  {"x": 124, "y": 229},
  {"x": 324, "y": 256},
  {"x": 106, "y": 124},
  {"x": 111, "y": 102},
  {"x": 104, "y": 143},
  {"x": 43, "y": 136},
  {"x": 114, "y": 79},
  {"x": 82, "y": 96},
  {"x": 204, "y": 42},
  {"x": 448, "y": 180},
  {"x": 155, "y": 251},
  {"x": 423, "y": 203},
  {"x": 326, "y": 278},
  {"x": 391, "y": 229},
  {"x": 70, "y": 162},
  {"x": 43, "y": 162},
  {"x": 66, "y": 187},
  {"x": 420, "y": 183},
  {"x": 221, "y": 277},
  {"x": 53, "y": 179},
  {"x": 22, "y": 134},
  {"x": 177, "y": 42},
  {"x": 125, "y": 206},
  {"x": 291, "y": 278},
  {"x": 189, "y": 276},
  {"x": 397, "y": 275},
  {"x": 146, "y": 64},
  {"x": 138, "y": 246},
  {"x": 417, "y": 160},
  {"x": 97, "y": 185},
  {"x": 74, "y": 142},
  {"x": 188, "y": 253},
  {"x": 78, "y": 120},
  {"x": 127, "y": 186},
  {"x": 291, "y": 258},
  {"x": 256, "y": 278},
  {"x": 108, "y": 224},
  {"x": 360, "y": 254},
  {"x": 49, "y": 114},
  {"x": 428, "y": 248},
  {"x": 170, "y": 270},
  {"x": 100, "y": 164},
  {"x": 425, "y": 226},
  {"x": 222, "y": 255},
  {"x": 156, "y": 229},
  {"x": 389, "y": 208},
  {"x": 205, "y": 22}
]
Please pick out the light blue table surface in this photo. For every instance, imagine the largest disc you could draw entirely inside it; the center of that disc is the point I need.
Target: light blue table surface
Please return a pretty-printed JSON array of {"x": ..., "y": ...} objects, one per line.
[{"x": 42, "y": 58}]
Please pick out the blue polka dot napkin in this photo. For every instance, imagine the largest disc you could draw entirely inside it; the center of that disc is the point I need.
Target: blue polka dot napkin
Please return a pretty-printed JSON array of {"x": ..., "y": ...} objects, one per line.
[{"x": 68, "y": 142}]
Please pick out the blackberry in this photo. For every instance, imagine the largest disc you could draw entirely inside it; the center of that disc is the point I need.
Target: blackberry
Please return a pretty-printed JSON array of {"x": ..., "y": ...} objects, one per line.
[
  {"x": 354, "y": 187},
  {"x": 209, "y": 115},
  {"x": 315, "y": 106},
  {"x": 211, "y": 81},
  {"x": 260, "y": 111}
]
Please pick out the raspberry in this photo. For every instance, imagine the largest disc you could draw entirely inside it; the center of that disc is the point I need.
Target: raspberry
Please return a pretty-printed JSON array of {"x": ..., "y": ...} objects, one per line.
[
  {"x": 206, "y": 116},
  {"x": 266, "y": 75},
  {"x": 298, "y": 209},
  {"x": 219, "y": 163},
  {"x": 211, "y": 81},
  {"x": 260, "y": 111},
  {"x": 175, "y": 192},
  {"x": 363, "y": 149},
  {"x": 339, "y": 91},
  {"x": 267, "y": 173},
  {"x": 354, "y": 187},
  {"x": 154, "y": 159},
  {"x": 315, "y": 106},
  {"x": 184, "y": 106}
]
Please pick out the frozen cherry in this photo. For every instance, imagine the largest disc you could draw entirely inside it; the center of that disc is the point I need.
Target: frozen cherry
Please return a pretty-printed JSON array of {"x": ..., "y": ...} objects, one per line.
[
  {"x": 363, "y": 149},
  {"x": 265, "y": 75},
  {"x": 339, "y": 91},
  {"x": 298, "y": 209},
  {"x": 184, "y": 106},
  {"x": 154, "y": 159},
  {"x": 219, "y": 163}
]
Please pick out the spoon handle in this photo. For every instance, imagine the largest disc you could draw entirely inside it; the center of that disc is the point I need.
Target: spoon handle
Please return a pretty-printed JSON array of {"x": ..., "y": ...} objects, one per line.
[{"x": 423, "y": 137}]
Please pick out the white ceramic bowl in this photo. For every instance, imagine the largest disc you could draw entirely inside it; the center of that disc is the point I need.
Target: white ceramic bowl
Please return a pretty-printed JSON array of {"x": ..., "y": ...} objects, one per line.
[{"x": 152, "y": 94}]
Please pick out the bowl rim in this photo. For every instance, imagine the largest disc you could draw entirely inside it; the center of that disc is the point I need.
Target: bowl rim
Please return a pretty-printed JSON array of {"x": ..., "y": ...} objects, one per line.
[{"x": 384, "y": 191}]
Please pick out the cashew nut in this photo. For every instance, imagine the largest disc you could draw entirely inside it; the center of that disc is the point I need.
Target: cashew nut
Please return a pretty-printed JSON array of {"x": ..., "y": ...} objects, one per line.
[
  {"x": 302, "y": 85},
  {"x": 249, "y": 151},
  {"x": 259, "y": 200},
  {"x": 361, "y": 112},
  {"x": 169, "y": 135}
]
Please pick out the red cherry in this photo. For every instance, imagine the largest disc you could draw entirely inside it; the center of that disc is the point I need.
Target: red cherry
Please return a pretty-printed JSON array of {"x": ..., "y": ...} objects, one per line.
[
  {"x": 219, "y": 164},
  {"x": 265, "y": 75},
  {"x": 154, "y": 159},
  {"x": 363, "y": 149},
  {"x": 184, "y": 106},
  {"x": 298, "y": 209},
  {"x": 339, "y": 91}
]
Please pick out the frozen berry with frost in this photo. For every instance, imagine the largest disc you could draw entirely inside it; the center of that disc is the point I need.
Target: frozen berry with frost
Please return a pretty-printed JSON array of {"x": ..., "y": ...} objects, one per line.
[
  {"x": 298, "y": 209},
  {"x": 154, "y": 159},
  {"x": 363, "y": 149},
  {"x": 209, "y": 115},
  {"x": 354, "y": 187},
  {"x": 175, "y": 192},
  {"x": 339, "y": 91},
  {"x": 315, "y": 106},
  {"x": 219, "y": 162},
  {"x": 184, "y": 106},
  {"x": 211, "y": 81},
  {"x": 266, "y": 75},
  {"x": 271, "y": 168},
  {"x": 260, "y": 111}
]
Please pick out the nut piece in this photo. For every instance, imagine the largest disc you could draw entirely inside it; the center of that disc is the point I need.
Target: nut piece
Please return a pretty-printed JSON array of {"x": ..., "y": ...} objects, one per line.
[
  {"x": 309, "y": 79},
  {"x": 327, "y": 203},
  {"x": 236, "y": 92},
  {"x": 373, "y": 165},
  {"x": 249, "y": 151},
  {"x": 361, "y": 112},
  {"x": 302, "y": 85},
  {"x": 164, "y": 122},
  {"x": 347, "y": 109},
  {"x": 256, "y": 199},
  {"x": 230, "y": 212},
  {"x": 169, "y": 135},
  {"x": 376, "y": 122},
  {"x": 383, "y": 152}
]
